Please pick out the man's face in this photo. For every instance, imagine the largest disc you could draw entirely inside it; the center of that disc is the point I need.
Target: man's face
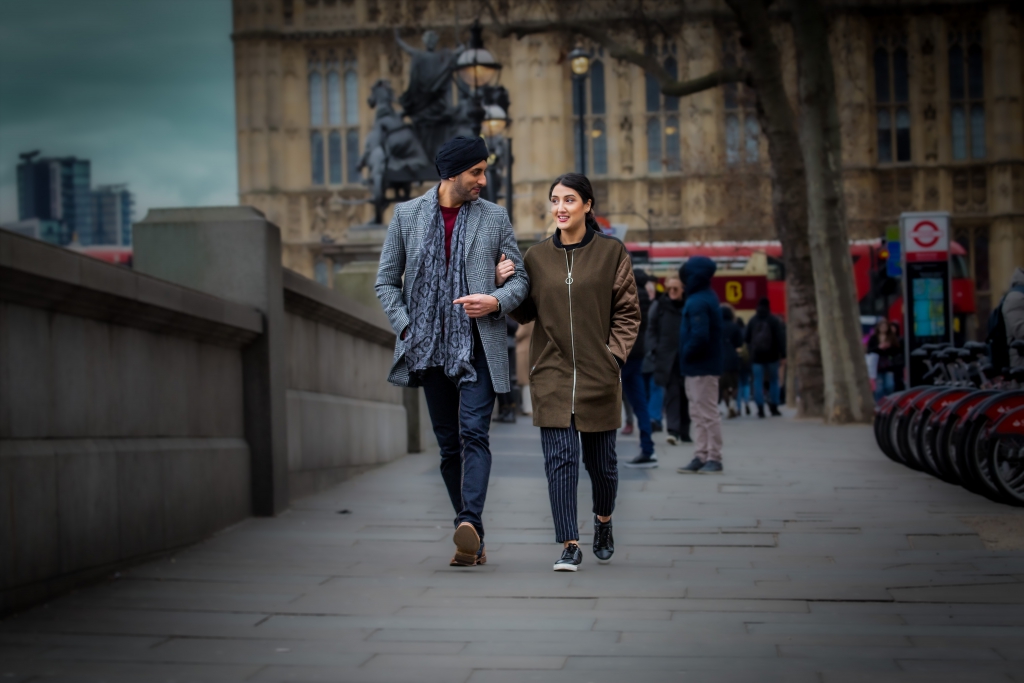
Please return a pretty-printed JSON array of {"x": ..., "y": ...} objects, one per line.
[
  {"x": 675, "y": 289},
  {"x": 469, "y": 184}
]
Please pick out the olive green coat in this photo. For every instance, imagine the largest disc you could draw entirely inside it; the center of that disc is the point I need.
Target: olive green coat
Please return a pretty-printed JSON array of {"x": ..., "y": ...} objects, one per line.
[{"x": 586, "y": 326}]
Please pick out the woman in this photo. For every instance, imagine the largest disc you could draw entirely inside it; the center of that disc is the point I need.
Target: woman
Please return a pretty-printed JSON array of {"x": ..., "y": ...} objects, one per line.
[
  {"x": 885, "y": 342},
  {"x": 584, "y": 300}
]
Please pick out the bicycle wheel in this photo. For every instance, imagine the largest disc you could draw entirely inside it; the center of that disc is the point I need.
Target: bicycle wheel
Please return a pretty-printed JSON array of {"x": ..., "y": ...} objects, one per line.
[
  {"x": 971, "y": 450},
  {"x": 894, "y": 427},
  {"x": 949, "y": 434},
  {"x": 907, "y": 430},
  {"x": 1005, "y": 447},
  {"x": 928, "y": 427}
]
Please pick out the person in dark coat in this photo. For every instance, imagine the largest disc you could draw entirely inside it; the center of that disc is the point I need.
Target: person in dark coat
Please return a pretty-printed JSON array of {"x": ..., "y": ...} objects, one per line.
[
  {"x": 700, "y": 362},
  {"x": 766, "y": 340},
  {"x": 744, "y": 375},
  {"x": 662, "y": 344},
  {"x": 732, "y": 340},
  {"x": 633, "y": 380}
]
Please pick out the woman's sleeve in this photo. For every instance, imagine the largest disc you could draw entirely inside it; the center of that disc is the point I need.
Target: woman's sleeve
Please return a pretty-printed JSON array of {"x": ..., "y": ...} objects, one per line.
[{"x": 625, "y": 312}]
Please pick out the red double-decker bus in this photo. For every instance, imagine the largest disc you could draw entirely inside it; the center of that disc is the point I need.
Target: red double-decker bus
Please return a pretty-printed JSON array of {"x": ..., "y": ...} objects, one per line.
[{"x": 878, "y": 294}]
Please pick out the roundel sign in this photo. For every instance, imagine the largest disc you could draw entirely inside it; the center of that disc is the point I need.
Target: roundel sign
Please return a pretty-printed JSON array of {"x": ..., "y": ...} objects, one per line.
[{"x": 926, "y": 236}]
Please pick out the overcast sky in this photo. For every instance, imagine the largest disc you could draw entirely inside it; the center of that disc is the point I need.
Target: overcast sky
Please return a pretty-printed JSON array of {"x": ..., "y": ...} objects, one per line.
[{"x": 142, "y": 88}]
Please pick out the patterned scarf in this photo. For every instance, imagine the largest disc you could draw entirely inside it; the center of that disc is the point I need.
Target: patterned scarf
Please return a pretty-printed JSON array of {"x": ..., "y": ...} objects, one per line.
[{"x": 441, "y": 332}]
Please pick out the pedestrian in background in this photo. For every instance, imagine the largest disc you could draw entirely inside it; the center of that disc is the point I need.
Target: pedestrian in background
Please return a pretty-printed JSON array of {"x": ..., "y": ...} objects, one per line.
[
  {"x": 523, "y": 333},
  {"x": 633, "y": 381},
  {"x": 766, "y": 341},
  {"x": 732, "y": 341},
  {"x": 886, "y": 344},
  {"x": 700, "y": 362},
  {"x": 662, "y": 342},
  {"x": 744, "y": 374},
  {"x": 1012, "y": 307},
  {"x": 507, "y": 401},
  {"x": 655, "y": 393}
]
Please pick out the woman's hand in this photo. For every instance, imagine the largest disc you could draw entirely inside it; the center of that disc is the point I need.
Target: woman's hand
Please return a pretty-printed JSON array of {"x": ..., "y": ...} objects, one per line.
[{"x": 504, "y": 270}]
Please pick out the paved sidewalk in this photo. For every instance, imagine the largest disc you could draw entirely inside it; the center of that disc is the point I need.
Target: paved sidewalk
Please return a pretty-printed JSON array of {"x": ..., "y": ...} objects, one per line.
[{"x": 813, "y": 558}]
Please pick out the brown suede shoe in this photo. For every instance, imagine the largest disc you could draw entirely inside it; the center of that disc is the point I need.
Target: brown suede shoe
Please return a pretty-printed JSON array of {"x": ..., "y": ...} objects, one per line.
[
  {"x": 467, "y": 545},
  {"x": 480, "y": 560}
]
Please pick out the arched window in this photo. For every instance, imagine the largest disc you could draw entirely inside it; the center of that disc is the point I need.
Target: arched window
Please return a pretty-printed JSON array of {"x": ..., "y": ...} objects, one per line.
[
  {"x": 351, "y": 98},
  {"x": 654, "y": 145},
  {"x": 663, "y": 142},
  {"x": 672, "y": 103},
  {"x": 753, "y": 139},
  {"x": 334, "y": 157},
  {"x": 595, "y": 132},
  {"x": 967, "y": 94},
  {"x": 892, "y": 95},
  {"x": 316, "y": 99},
  {"x": 742, "y": 132},
  {"x": 316, "y": 156},
  {"x": 673, "y": 162},
  {"x": 333, "y": 98},
  {"x": 334, "y": 120},
  {"x": 732, "y": 139},
  {"x": 884, "y": 136}
]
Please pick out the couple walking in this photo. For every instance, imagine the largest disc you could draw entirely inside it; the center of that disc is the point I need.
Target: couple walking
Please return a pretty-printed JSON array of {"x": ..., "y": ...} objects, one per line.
[{"x": 462, "y": 274}]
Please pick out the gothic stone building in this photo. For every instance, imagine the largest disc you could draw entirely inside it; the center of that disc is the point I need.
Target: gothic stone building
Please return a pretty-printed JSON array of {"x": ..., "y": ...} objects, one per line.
[{"x": 930, "y": 100}]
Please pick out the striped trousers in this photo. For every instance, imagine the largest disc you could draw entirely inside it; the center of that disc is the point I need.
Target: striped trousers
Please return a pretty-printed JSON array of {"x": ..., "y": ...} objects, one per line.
[{"x": 562, "y": 466}]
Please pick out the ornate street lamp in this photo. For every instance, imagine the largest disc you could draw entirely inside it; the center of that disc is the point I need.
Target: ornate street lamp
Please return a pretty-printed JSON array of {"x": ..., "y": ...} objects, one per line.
[
  {"x": 579, "y": 62},
  {"x": 477, "y": 68}
]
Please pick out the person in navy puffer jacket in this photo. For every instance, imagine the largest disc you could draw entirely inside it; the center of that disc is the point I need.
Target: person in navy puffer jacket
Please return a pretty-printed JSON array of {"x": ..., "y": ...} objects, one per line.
[{"x": 700, "y": 363}]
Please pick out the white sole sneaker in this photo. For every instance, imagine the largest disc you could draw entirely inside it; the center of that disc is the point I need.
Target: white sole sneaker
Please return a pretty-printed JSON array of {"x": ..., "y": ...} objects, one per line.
[{"x": 566, "y": 567}]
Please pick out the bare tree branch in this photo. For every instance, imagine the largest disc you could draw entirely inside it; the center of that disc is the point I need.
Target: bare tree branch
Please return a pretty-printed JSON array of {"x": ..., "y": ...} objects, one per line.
[{"x": 670, "y": 86}]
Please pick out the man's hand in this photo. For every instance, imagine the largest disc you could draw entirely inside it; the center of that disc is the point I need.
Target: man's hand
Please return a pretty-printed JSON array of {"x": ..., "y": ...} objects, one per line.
[
  {"x": 504, "y": 270},
  {"x": 477, "y": 305}
]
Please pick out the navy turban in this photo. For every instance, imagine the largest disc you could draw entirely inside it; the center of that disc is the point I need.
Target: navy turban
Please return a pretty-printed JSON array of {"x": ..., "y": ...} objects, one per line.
[{"x": 460, "y": 154}]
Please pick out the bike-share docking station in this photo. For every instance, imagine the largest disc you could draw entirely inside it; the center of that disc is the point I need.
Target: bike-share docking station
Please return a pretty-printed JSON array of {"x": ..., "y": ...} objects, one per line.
[{"x": 927, "y": 290}]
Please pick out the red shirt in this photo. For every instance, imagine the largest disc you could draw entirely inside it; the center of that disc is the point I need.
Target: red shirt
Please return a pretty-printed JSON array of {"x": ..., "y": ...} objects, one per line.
[{"x": 449, "y": 216}]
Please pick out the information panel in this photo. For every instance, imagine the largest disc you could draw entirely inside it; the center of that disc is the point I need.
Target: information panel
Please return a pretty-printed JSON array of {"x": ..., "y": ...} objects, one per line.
[{"x": 927, "y": 294}]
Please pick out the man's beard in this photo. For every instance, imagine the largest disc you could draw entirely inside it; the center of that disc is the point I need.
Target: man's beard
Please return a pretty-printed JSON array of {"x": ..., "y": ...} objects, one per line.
[{"x": 466, "y": 194}]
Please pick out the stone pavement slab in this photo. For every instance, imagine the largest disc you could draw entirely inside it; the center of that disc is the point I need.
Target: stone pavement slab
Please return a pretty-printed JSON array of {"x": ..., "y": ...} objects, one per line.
[{"x": 812, "y": 558}]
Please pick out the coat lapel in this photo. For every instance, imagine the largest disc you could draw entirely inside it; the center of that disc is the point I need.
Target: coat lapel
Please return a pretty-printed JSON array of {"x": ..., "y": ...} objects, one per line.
[{"x": 472, "y": 227}]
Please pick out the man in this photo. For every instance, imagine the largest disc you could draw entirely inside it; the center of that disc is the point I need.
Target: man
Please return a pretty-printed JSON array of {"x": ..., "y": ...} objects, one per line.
[
  {"x": 700, "y": 362},
  {"x": 732, "y": 340},
  {"x": 662, "y": 343},
  {"x": 448, "y": 316},
  {"x": 766, "y": 341},
  {"x": 633, "y": 381}
]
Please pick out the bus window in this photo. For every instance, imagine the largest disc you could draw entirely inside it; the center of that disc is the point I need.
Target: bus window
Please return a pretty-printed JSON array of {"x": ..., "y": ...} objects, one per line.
[{"x": 776, "y": 271}]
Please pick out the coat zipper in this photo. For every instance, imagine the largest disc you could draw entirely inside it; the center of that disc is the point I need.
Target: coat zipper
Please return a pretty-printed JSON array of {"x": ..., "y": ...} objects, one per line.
[{"x": 572, "y": 333}]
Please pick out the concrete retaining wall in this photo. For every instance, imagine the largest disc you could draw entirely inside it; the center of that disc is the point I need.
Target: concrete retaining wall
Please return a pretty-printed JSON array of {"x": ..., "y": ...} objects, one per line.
[
  {"x": 143, "y": 410},
  {"x": 120, "y": 417}
]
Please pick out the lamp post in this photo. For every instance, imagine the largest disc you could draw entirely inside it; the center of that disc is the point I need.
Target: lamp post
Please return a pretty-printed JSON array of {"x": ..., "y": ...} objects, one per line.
[
  {"x": 477, "y": 68},
  {"x": 579, "y": 62}
]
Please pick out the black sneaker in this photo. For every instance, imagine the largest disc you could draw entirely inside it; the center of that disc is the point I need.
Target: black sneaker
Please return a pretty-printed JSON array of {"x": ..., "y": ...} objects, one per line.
[
  {"x": 685, "y": 438},
  {"x": 760, "y": 411},
  {"x": 775, "y": 410},
  {"x": 692, "y": 468},
  {"x": 571, "y": 559},
  {"x": 604, "y": 544},
  {"x": 656, "y": 426},
  {"x": 643, "y": 461}
]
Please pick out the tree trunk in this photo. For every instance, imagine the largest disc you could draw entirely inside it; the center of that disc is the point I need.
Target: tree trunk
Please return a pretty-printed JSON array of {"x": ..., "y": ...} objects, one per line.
[
  {"x": 847, "y": 389},
  {"x": 789, "y": 203}
]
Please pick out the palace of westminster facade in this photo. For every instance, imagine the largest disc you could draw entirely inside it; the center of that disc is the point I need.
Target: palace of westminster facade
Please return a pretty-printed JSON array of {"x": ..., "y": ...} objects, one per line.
[{"x": 930, "y": 95}]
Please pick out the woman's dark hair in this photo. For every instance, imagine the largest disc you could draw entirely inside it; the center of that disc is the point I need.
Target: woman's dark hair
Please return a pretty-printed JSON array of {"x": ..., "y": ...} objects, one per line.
[{"x": 580, "y": 183}]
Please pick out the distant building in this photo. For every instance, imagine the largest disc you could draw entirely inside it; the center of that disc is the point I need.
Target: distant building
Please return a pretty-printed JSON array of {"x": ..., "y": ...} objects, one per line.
[
  {"x": 112, "y": 208},
  {"x": 56, "y": 189},
  {"x": 47, "y": 230}
]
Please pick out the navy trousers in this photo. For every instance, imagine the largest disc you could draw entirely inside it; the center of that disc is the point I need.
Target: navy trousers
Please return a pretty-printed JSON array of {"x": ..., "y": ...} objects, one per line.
[
  {"x": 636, "y": 394},
  {"x": 461, "y": 417},
  {"x": 561, "y": 448}
]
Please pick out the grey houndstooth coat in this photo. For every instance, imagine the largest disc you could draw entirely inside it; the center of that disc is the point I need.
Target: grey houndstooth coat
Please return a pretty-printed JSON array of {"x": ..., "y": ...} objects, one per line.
[{"x": 488, "y": 236}]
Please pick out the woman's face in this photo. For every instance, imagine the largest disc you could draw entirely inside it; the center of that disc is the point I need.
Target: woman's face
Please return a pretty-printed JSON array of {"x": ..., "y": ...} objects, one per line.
[
  {"x": 567, "y": 208},
  {"x": 883, "y": 326}
]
